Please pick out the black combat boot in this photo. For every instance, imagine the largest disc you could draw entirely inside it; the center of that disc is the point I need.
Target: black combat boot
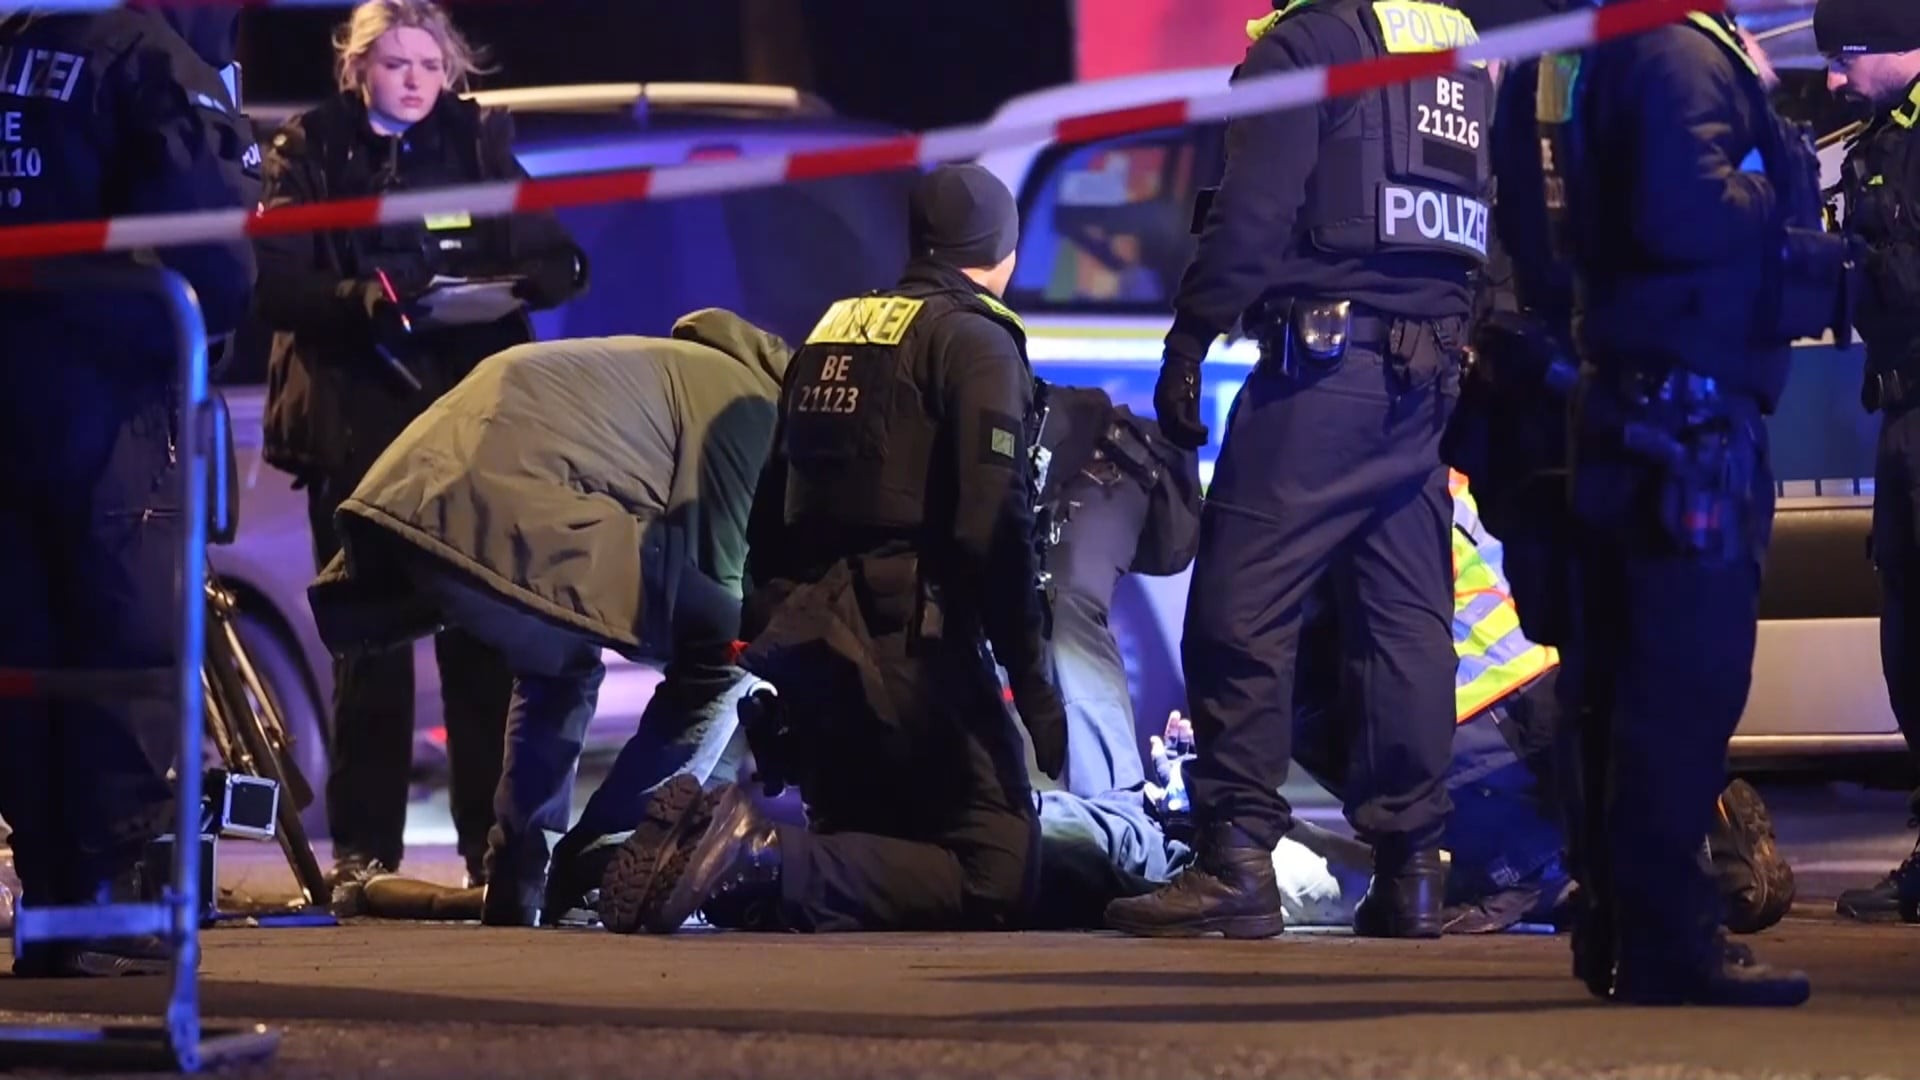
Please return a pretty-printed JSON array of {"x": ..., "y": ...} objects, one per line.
[
  {"x": 646, "y": 864},
  {"x": 1895, "y": 896},
  {"x": 1229, "y": 891},
  {"x": 735, "y": 862},
  {"x": 1407, "y": 896},
  {"x": 1713, "y": 972}
]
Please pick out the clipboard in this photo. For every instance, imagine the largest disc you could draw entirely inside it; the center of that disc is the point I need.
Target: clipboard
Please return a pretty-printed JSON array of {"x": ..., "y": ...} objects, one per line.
[{"x": 452, "y": 301}]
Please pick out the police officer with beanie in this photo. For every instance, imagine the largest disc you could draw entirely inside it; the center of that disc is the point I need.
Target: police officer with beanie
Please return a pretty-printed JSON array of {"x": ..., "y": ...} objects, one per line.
[
  {"x": 103, "y": 115},
  {"x": 1690, "y": 215},
  {"x": 891, "y": 541},
  {"x": 1873, "y": 49},
  {"x": 1346, "y": 236}
]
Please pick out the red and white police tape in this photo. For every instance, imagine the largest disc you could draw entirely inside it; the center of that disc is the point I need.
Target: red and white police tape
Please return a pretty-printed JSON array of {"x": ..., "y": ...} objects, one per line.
[{"x": 1267, "y": 93}]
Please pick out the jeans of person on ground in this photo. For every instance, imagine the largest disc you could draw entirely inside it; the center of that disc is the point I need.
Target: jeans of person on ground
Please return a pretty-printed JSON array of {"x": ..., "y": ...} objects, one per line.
[
  {"x": 371, "y": 754},
  {"x": 90, "y": 543},
  {"x": 1326, "y": 473},
  {"x": 1652, "y": 688},
  {"x": 689, "y": 726}
]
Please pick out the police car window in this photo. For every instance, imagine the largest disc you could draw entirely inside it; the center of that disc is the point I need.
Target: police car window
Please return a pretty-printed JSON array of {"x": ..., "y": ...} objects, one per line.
[{"x": 1106, "y": 226}]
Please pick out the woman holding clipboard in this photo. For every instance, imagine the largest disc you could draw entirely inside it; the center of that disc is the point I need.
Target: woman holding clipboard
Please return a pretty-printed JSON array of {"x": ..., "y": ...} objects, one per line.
[{"x": 358, "y": 352}]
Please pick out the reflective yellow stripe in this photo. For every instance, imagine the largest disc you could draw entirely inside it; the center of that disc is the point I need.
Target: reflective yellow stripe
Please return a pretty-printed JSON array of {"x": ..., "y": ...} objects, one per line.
[
  {"x": 1909, "y": 111},
  {"x": 1719, "y": 32},
  {"x": 1004, "y": 312},
  {"x": 1257, "y": 28},
  {"x": 1496, "y": 684}
]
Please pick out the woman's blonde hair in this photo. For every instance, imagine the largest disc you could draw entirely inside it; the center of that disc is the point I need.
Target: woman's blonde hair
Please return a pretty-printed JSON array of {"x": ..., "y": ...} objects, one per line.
[{"x": 373, "y": 19}]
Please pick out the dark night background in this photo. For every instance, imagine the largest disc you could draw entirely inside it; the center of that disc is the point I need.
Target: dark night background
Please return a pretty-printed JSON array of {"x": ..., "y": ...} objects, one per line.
[{"x": 913, "y": 63}]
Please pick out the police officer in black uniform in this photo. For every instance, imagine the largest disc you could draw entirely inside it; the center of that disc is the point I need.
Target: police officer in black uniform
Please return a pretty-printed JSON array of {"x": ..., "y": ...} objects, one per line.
[
  {"x": 102, "y": 115},
  {"x": 891, "y": 541},
  {"x": 1691, "y": 217},
  {"x": 1346, "y": 236},
  {"x": 1873, "y": 47}
]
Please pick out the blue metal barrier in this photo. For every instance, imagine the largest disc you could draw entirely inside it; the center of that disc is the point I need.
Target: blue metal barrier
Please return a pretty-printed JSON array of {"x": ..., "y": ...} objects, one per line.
[{"x": 181, "y": 1043}]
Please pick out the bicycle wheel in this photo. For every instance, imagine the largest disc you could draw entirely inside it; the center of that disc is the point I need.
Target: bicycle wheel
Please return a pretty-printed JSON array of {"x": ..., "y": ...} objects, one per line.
[{"x": 264, "y": 758}]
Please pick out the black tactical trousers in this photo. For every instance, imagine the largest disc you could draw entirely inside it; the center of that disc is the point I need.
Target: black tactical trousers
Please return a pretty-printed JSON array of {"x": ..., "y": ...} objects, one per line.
[
  {"x": 90, "y": 532},
  {"x": 1652, "y": 685},
  {"x": 1896, "y": 552},
  {"x": 371, "y": 758},
  {"x": 1326, "y": 475},
  {"x": 928, "y": 825}
]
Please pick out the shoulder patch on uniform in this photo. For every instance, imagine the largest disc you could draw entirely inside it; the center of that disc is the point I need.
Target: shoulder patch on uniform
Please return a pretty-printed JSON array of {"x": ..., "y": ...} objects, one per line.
[
  {"x": 1416, "y": 26},
  {"x": 866, "y": 320},
  {"x": 999, "y": 439}
]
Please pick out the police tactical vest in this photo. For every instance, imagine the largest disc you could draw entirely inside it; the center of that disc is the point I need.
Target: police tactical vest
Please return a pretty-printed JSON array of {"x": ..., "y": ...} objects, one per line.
[
  {"x": 1883, "y": 209},
  {"x": 859, "y": 433},
  {"x": 1406, "y": 169}
]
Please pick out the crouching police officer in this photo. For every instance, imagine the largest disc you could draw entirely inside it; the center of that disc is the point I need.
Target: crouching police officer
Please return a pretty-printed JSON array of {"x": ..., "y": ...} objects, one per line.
[
  {"x": 1691, "y": 217},
  {"x": 102, "y": 115},
  {"x": 891, "y": 539},
  {"x": 1348, "y": 235},
  {"x": 1873, "y": 49}
]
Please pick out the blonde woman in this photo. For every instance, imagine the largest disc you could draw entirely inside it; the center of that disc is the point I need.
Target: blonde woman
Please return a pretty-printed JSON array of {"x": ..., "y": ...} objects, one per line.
[{"x": 356, "y": 357}]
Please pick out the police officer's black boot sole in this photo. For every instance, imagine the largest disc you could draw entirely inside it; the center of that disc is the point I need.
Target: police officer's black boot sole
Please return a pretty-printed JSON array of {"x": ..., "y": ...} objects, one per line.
[
  {"x": 1230, "y": 891},
  {"x": 648, "y": 861},
  {"x": 1405, "y": 899},
  {"x": 737, "y": 854}
]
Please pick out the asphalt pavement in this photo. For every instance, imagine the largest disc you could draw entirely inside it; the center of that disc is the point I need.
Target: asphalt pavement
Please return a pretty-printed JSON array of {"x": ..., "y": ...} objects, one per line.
[{"x": 452, "y": 1000}]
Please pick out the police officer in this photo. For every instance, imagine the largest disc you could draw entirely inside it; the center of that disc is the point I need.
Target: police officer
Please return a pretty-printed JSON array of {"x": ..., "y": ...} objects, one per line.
[
  {"x": 1691, "y": 218},
  {"x": 102, "y": 115},
  {"x": 1346, "y": 237},
  {"x": 891, "y": 541},
  {"x": 357, "y": 354},
  {"x": 1873, "y": 49}
]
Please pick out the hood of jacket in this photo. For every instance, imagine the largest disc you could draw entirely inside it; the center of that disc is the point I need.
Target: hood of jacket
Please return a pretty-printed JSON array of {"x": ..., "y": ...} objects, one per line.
[{"x": 756, "y": 349}]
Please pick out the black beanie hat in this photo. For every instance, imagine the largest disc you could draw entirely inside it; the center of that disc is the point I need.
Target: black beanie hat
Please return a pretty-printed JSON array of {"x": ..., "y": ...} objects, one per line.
[
  {"x": 1866, "y": 26},
  {"x": 962, "y": 215}
]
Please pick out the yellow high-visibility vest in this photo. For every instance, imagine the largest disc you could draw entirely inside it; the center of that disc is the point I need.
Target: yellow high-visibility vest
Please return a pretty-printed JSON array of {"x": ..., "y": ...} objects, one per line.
[{"x": 1496, "y": 659}]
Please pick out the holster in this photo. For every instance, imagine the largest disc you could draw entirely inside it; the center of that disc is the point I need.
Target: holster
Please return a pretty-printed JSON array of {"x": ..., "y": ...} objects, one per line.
[{"x": 1690, "y": 432}]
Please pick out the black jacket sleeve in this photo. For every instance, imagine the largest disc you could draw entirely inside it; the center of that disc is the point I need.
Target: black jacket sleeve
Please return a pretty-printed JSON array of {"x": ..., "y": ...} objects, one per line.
[
  {"x": 1690, "y": 117},
  {"x": 987, "y": 389},
  {"x": 1270, "y": 158},
  {"x": 301, "y": 287},
  {"x": 1170, "y": 538},
  {"x": 542, "y": 250},
  {"x": 183, "y": 157}
]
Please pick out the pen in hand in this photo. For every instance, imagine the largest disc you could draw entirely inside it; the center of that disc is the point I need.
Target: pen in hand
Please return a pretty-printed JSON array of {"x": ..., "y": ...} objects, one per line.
[
  {"x": 393, "y": 297},
  {"x": 406, "y": 324}
]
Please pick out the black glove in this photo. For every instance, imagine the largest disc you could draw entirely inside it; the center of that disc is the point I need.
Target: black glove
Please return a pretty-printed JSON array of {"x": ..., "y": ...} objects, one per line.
[
  {"x": 1176, "y": 402},
  {"x": 1045, "y": 717},
  {"x": 551, "y": 280}
]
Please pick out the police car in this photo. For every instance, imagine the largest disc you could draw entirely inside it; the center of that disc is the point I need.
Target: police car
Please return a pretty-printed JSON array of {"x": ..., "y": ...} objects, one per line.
[
  {"x": 778, "y": 256},
  {"x": 1105, "y": 238}
]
